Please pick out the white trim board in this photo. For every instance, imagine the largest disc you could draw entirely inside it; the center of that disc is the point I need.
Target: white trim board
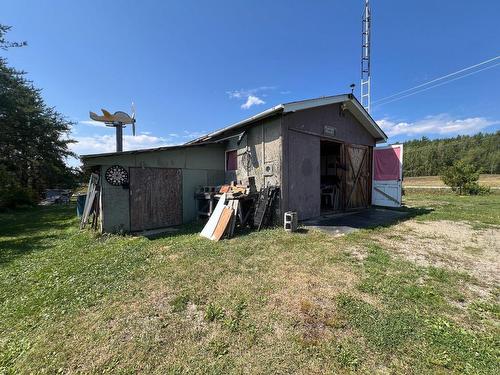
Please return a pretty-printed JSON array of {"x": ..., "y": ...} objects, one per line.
[{"x": 209, "y": 228}]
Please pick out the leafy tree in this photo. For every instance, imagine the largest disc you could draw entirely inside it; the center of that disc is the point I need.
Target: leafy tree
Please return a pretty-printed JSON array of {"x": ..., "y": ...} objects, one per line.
[
  {"x": 463, "y": 179},
  {"x": 34, "y": 138},
  {"x": 424, "y": 157}
]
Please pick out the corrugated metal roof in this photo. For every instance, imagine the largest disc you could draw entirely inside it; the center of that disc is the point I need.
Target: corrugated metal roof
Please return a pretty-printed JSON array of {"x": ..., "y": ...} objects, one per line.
[
  {"x": 164, "y": 148},
  {"x": 352, "y": 104}
]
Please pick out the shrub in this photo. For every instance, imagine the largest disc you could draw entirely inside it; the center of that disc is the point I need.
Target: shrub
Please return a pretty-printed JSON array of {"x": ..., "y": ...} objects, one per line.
[
  {"x": 12, "y": 194},
  {"x": 463, "y": 179}
]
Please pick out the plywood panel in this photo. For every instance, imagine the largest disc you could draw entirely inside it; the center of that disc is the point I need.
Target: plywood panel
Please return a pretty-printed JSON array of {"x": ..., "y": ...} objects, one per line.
[
  {"x": 348, "y": 128},
  {"x": 155, "y": 198},
  {"x": 222, "y": 224},
  {"x": 304, "y": 175}
]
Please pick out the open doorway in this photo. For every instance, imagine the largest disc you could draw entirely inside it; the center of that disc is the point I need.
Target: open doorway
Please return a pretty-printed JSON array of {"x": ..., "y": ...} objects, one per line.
[{"x": 331, "y": 176}]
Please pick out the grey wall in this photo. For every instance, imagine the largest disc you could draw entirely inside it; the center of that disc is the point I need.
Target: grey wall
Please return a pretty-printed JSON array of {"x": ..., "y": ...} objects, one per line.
[
  {"x": 210, "y": 157},
  {"x": 302, "y": 134},
  {"x": 201, "y": 165},
  {"x": 115, "y": 212},
  {"x": 304, "y": 175},
  {"x": 348, "y": 129},
  {"x": 260, "y": 147}
]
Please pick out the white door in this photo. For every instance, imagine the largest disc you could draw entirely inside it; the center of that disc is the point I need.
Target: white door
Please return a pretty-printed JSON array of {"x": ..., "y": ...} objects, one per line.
[{"x": 387, "y": 176}]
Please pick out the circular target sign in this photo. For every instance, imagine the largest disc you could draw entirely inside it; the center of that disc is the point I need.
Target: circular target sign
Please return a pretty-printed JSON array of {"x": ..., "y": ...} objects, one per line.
[{"x": 116, "y": 175}]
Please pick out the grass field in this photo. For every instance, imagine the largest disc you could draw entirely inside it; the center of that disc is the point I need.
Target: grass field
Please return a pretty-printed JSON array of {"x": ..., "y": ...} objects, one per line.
[
  {"x": 492, "y": 180},
  {"x": 421, "y": 296}
]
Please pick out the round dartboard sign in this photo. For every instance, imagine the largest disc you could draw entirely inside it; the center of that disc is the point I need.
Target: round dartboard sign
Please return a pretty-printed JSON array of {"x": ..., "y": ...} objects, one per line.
[{"x": 116, "y": 175}]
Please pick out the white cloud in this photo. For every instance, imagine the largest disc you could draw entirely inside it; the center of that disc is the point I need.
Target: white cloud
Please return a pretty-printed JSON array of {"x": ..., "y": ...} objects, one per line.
[
  {"x": 107, "y": 143},
  {"x": 250, "y": 95},
  {"x": 442, "y": 124},
  {"x": 245, "y": 93},
  {"x": 92, "y": 123},
  {"x": 251, "y": 101}
]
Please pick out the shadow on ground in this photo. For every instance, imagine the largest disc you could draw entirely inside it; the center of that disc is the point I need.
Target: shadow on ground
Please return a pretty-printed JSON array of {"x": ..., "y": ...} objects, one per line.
[
  {"x": 30, "y": 229},
  {"x": 370, "y": 218}
]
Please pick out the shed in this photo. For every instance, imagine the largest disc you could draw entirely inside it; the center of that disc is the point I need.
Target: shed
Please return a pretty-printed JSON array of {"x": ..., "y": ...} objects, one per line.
[{"x": 319, "y": 151}]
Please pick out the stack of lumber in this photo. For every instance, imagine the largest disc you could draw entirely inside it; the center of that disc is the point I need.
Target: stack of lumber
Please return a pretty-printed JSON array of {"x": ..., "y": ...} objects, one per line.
[{"x": 234, "y": 190}]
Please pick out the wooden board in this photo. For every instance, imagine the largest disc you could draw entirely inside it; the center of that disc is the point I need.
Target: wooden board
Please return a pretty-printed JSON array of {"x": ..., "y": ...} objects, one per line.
[
  {"x": 357, "y": 192},
  {"x": 209, "y": 228},
  {"x": 235, "y": 205},
  {"x": 155, "y": 198},
  {"x": 223, "y": 223},
  {"x": 89, "y": 200}
]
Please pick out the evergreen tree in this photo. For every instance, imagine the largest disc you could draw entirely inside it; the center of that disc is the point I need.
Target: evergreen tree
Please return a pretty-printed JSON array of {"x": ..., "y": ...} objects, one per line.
[
  {"x": 34, "y": 138},
  {"x": 424, "y": 157}
]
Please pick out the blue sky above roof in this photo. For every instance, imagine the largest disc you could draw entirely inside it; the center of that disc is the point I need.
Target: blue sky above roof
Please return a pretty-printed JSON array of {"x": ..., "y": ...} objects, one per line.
[{"x": 193, "y": 67}]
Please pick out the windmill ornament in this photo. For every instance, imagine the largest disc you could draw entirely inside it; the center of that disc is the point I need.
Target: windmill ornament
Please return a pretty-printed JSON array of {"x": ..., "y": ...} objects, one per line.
[{"x": 118, "y": 120}]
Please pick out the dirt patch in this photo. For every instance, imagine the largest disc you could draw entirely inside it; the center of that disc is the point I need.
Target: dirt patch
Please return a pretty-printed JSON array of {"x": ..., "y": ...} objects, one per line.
[
  {"x": 307, "y": 297},
  {"x": 452, "y": 245}
]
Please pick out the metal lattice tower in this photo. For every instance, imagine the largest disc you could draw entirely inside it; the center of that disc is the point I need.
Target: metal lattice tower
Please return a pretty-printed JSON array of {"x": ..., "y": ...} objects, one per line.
[{"x": 365, "y": 58}]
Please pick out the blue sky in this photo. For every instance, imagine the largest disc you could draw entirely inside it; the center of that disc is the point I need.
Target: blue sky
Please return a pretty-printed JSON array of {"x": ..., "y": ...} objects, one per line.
[{"x": 190, "y": 67}]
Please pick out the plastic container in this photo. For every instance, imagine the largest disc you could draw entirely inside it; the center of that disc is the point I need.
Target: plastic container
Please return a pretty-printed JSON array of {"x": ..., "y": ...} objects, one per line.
[{"x": 80, "y": 204}]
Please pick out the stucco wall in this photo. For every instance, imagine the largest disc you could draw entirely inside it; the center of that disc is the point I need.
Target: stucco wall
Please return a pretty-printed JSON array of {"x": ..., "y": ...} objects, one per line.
[{"x": 259, "y": 148}]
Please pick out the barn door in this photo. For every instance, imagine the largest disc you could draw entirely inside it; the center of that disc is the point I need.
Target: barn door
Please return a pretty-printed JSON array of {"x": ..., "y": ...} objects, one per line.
[
  {"x": 155, "y": 198},
  {"x": 387, "y": 176},
  {"x": 357, "y": 176}
]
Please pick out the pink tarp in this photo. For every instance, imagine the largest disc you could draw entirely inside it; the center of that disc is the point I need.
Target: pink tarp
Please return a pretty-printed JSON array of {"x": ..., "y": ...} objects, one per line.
[{"x": 387, "y": 164}]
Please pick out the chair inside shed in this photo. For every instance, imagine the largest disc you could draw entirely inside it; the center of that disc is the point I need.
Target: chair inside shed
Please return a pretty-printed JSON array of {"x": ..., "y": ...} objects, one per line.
[{"x": 331, "y": 176}]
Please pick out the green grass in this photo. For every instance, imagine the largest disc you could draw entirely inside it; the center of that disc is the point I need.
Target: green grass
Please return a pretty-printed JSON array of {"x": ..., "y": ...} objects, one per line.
[
  {"x": 481, "y": 211},
  {"x": 268, "y": 302}
]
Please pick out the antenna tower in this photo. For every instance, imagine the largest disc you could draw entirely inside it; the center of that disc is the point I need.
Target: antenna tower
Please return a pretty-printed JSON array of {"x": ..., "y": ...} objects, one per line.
[{"x": 365, "y": 58}]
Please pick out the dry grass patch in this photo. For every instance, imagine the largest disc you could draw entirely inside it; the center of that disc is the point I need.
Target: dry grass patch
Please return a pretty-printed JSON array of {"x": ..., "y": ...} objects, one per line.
[
  {"x": 492, "y": 180},
  {"x": 266, "y": 302},
  {"x": 451, "y": 245}
]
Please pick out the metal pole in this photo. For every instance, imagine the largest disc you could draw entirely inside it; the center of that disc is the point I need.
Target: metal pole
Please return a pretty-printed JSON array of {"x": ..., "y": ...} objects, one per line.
[
  {"x": 365, "y": 58},
  {"x": 119, "y": 137}
]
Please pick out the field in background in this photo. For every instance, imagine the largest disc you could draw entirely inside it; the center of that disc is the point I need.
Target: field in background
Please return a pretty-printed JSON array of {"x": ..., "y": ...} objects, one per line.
[
  {"x": 492, "y": 180},
  {"x": 420, "y": 296}
]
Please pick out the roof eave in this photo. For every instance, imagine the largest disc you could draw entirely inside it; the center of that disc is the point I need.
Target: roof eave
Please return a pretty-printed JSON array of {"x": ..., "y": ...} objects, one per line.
[
  {"x": 258, "y": 116},
  {"x": 164, "y": 148},
  {"x": 378, "y": 133}
]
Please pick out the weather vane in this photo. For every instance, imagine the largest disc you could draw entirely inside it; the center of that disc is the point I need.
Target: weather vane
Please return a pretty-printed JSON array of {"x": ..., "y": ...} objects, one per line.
[{"x": 118, "y": 120}]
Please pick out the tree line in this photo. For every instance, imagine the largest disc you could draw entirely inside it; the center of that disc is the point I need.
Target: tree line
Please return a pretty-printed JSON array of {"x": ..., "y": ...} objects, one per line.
[
  {"x": 425, "y": 157},
  {"x": 34, "y": 138}
]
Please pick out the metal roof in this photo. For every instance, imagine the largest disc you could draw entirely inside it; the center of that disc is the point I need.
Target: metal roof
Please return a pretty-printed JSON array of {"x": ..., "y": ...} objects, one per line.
[
  {"x": 352, "y": 104},
  {"x": 163, "y": 148}
]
